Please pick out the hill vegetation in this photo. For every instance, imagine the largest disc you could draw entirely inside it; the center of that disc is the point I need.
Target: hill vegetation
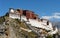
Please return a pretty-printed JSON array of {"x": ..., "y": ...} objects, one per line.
[{"x": 13, "y": 28}]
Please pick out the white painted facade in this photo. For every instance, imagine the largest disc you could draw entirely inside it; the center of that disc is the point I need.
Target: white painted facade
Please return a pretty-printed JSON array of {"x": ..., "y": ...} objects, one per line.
[
  {"x": 34, "y": 23},
  {"x": 14, "y": 16},
  {"x": 53, "y": 31}
]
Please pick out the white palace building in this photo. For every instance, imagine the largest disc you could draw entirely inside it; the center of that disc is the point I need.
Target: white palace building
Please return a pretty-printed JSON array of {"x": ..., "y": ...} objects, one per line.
[{"x": 33, "y": 19}]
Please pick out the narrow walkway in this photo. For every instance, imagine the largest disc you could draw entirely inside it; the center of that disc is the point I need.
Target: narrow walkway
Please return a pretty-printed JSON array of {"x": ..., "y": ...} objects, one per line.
[{"x": 25, "y": 29}]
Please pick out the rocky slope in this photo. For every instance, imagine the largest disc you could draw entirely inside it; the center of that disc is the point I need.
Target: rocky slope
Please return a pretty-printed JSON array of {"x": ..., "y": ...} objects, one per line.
[{"x": 13, "y": 28}]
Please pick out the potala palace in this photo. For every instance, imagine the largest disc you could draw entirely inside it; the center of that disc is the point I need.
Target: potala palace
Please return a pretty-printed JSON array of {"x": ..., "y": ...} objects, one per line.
[{"x": 31, "y": 18}]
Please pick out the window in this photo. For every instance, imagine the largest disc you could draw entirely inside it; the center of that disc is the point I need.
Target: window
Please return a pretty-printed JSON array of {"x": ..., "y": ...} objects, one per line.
[
  {"x": 47, "y": 22},
  {"x": 24, "y": 12},
  {"x": 34, "y": 18}
]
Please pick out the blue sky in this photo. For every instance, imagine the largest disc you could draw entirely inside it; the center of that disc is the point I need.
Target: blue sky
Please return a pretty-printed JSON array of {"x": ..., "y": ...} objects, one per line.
[{"x": 41, "y": 7}]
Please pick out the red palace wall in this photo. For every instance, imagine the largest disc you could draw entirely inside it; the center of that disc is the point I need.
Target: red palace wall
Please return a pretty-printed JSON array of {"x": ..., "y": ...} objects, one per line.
[{"x": 27, "y": 13}]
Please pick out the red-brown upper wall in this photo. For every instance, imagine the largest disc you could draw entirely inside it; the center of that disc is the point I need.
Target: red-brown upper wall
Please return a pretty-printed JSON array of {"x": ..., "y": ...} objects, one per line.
[{"x": 27, "y": 13}]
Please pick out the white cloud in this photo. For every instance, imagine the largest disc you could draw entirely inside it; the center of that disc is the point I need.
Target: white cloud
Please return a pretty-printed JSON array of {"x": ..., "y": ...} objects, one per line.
[
  {"x": 55, "y": 15},
  {"x": 46, "y": 17},
  {"x": 58, "y": 17}
]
